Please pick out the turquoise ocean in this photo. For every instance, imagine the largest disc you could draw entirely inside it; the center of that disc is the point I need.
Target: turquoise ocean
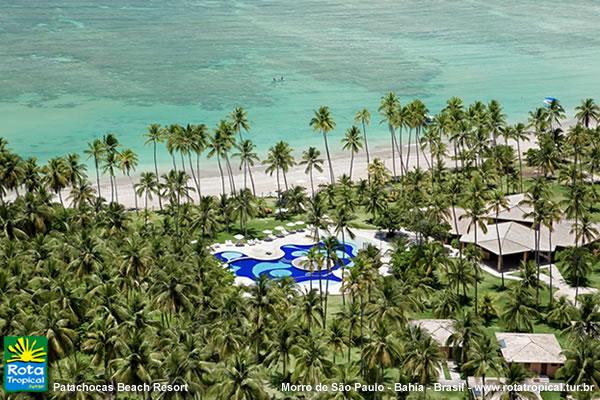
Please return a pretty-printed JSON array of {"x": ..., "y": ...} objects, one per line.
[{"x": 72, "y": 70}]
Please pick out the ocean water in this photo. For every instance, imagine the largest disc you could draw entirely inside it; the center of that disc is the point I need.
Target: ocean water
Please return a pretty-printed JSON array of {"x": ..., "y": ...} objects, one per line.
[{"x": 72, "y": 70}]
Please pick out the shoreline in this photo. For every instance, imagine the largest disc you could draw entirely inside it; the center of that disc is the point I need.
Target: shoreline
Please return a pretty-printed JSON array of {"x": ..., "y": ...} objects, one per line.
[{"x": 265, "y": 184}]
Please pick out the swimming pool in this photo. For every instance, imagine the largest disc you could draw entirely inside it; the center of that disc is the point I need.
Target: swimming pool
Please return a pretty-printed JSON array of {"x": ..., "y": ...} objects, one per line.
[{"x": 245, "y": 266}]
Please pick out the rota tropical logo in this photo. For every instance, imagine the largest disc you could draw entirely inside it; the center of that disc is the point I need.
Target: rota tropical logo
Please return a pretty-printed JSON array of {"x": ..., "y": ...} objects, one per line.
[{"x": 25, "y": 364}]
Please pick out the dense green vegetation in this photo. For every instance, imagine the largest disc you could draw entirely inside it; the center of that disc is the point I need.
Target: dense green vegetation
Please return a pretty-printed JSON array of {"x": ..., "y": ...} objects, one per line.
[{"x": 136, "y": 296}]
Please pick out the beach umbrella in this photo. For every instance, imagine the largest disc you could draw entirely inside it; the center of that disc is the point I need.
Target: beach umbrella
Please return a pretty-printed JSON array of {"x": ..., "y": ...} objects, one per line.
[
  {"x": 279, "y": 228},
  {"x": 291, "y": 224},
  {"x": 239, "y": 236},
  {"x": 267, "y": 231},
  {"x": 300, "y": 222}
]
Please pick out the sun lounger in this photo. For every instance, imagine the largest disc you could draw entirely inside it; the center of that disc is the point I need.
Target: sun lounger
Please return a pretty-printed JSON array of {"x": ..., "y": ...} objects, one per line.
[{"x": 228, "y": 243}]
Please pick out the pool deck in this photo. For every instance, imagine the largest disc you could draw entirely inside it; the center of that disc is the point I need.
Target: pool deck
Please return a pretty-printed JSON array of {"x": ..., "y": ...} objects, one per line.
[{"x": 271, "y": 250}]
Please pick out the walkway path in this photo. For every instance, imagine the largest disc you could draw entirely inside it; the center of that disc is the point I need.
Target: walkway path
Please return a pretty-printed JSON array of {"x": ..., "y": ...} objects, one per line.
[{"x": 559, "y": 285}]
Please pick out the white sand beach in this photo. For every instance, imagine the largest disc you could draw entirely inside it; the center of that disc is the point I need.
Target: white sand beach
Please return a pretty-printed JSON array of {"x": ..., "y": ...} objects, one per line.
[{"x": 266, "y": 185}]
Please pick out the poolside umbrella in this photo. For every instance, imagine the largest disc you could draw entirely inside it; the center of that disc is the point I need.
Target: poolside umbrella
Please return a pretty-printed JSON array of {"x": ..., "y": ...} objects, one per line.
[
  {"x": 279, "y": 228},
  {"x": 239, "y": 236},
  {"x": 300, "y": 223},
  {"x": 291, "y": 224},
  {"x": 267, "y": 231}
]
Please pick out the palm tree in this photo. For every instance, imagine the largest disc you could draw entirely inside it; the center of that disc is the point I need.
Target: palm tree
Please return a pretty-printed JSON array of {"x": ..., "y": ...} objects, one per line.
[
  {"x": 311, "y": 159},
  {"x": 189, "y": 144},
  {"x": 56, "y": 176},
  {"x": 498, "y": 203},
  {"x": 128, "y": 161},
  {"x": 330, "y": 246},
  {"x": 247, "y": 157},
  {"x": 323, "y": 122},
  {"x": 484, "y": 356},
  {"x": 244, "y": 208},
  {"x": 561, "y": 313},
  {"x": 587, "y": 112},
  {"x": 225, "y": 135},
  {"x": 146, "y": 187},
  {"x": 336, "y": 338},
  {"x": 341, "y": 220},
  {"x": 519, "y": 311},
  {"x": 81, "y": 194},
  {"x": 155, "y": 134},
  {"x": 475, "y": 199},
  {"x": 519, "y": 133},
  {"x": 515, "y": 376},
  {"x": 388, "y": 108},
  {"x": 467, "y": 329},
  {"x": 551, "y": 213},
  {"x": 279, "y": 159},
  {"x": 582, "y": 364},
  {"x": 363, "y": 117},
  {"x": 382, "y": 350},
  {"x": 312, "y": 362},
  {"x": 75, "y": 170},
  {"x": 96, "y": 150},
  {"x": 555, "y": 113},
  {"x": 111, "y": 162},
  {"x": 239, "y": 121},
  {"x": 353, "y": 143},
  {"x": 423, "y": 357},
  {"x": 139, "y": 363}
]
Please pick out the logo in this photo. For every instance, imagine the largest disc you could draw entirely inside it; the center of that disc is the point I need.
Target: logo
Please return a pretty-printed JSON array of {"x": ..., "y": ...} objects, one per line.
[{"x": 25, "y": 364}]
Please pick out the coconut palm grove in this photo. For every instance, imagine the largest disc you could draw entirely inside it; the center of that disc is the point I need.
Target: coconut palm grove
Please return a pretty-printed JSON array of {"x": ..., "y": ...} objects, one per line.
[{"x": 478, "y": 259}]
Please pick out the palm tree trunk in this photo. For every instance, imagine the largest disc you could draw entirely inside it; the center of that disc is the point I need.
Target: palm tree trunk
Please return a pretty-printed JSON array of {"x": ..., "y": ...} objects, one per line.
[
  {"x": 60, "y": 197},
  {"x": 366, "y": 143},
  {"x": 393, "y": 137},
  {"x": 174, "y": 163},
  {"x": 417, "y": 136},
  {"x": 278, "y": 205},
  {"x": 351, "y": 163},
  {"x": 116, "y": 189},
  {"x": 550, "y": 249},
  {"x": 312, "y": 185},
  {"x": 403, "y": 168},
  {"x": 285, "y": 183},
  {"x": 222, "y": 175},
  {"x": 198, "y": 174},
  {"x": 194, "y": 175},
  {"x": 332, "y": 178},
  {"x": 135, "y": 198},
  {"x": 500, "y": 259},
  {"x": 97, "y": 176},
  {"x": 326, "y": 295},
  {"x": 343, "y": 265},
  {"x": 476, "y": 275},
  {"x": 408, "y": 148},
  {"x": 520, "y": 164},
  {"x": 230, "y": 173},
  {"x": 252, "y": 180},
  {"x": 146, "y": 206}
]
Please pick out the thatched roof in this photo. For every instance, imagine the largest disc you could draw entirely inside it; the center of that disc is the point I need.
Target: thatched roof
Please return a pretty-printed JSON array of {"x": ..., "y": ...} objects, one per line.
[
  {"x": 530, "y": 348},
  {"x": 514, "y": 238},
  {"x": 563, "y": 234},
  {"x": 439, "y": 329},
  {"x": 462, "y": 224},
  {"x": 515, "y": 211}
]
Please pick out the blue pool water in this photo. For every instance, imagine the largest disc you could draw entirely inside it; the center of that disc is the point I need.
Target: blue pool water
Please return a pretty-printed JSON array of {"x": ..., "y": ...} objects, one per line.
[{"x": 243, "y": 265}]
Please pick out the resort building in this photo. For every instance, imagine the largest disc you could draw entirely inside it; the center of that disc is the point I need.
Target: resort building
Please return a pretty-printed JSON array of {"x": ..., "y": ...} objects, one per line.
[
  {"x": 516, "y": 231},
  {"x": 540, "y": 353},
  {"x": 439, "y": 329}
]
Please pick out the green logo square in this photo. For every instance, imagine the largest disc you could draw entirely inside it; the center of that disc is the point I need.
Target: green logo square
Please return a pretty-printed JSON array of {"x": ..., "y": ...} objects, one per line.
[{"x": 25, "y": 364}]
